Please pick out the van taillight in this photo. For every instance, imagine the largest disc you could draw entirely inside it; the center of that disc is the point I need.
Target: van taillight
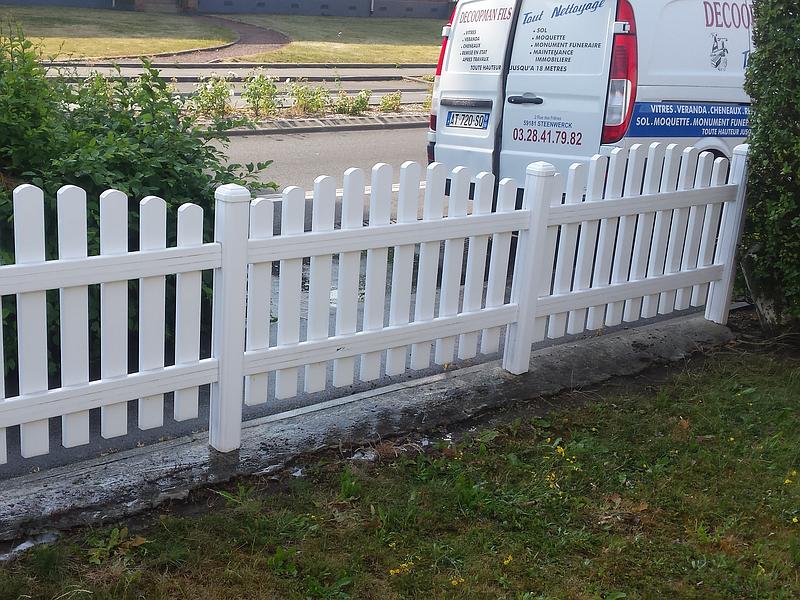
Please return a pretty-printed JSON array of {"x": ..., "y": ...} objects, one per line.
[
  {"x": 439, "y": 65},
  {"x": 623, "y": 77}
]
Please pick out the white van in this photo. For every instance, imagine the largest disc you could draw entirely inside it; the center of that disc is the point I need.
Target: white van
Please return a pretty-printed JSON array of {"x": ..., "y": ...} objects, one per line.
[{"x": 559, "y": 81}]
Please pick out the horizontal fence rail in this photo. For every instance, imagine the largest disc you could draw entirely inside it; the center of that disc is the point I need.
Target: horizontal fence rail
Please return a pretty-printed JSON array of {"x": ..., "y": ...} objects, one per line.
[{"x": 299, "y": 309}]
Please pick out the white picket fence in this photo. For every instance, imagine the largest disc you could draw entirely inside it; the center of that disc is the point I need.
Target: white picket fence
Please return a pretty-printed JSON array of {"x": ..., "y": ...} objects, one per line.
[{"x": 626, "y": 238}]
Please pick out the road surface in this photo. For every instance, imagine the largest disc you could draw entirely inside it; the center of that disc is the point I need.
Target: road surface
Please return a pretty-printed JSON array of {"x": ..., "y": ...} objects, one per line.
[{"x": 300, "y": 158}]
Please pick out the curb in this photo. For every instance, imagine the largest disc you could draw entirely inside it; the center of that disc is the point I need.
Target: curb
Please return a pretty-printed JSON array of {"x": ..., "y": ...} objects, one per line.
[
  {"x": 284, "y": 126},
  {"x": 236, "y": 65},
  {"x": 241, "y": 79},
  {"x": 107, "y": 489},
  {"x": 110, "y": 61}
]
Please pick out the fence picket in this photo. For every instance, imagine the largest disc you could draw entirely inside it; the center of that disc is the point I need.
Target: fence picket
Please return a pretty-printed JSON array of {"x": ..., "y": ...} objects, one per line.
[
  {"x": 289, "y": 288},
  {"x": 477, "y": 250},
  {"x": 259, "y": 298},
  {"x": 425, "y": 301},
  {"x": 3, "y": 437},
  {"x": 380, "y": 203},
  {"x": 450, "y": 292},
  {"x": 74, "y": 311},
  {"x": 708, "y": 237},
  {"x": 607, "y": 236},
  {"x": 658, "y": 250},
  {"x": 677, "y": 232},
  {"x": 694, "y": 229},
  {"x": 498, "y": 265},
  {"x": 113, "y": 309},
  {"x": 347, "y": 279},
  {"x": 567, "y": 246},
  {"x": 319, "y": 279},
  {"x": 587, "y": 241},
  {"x": 152, "y": 293},
  {"x": 31, "y": 314},
  {"x": 188, "y": 297},
  {"x": 623, "y": 253},
  {"x": 403, "y": 264},
  {"x": 644, "y": 228}
]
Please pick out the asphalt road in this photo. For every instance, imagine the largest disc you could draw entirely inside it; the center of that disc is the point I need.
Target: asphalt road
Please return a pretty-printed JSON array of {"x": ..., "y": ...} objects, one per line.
[{"x": 300, "y": 158}]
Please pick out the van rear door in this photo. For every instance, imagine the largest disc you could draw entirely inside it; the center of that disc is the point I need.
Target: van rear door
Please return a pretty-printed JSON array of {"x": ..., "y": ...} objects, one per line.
[
  {"x": 470, "y": 86},
  {"x": 557, "y": 84}
]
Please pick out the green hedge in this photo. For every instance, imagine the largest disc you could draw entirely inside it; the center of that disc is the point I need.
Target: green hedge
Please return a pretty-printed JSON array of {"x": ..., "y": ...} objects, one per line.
[
  {"x": 136, "y": 135},
  {"x": 772, "y": 237}
]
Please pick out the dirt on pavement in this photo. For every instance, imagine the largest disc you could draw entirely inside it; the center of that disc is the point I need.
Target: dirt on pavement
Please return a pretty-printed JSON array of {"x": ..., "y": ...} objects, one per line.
[{"x": 252, "y": 40}]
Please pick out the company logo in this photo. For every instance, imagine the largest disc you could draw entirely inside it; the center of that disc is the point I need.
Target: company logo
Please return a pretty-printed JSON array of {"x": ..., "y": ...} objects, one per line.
[
  {"x": 719, "y": 53},
  {"x": 577, "y": 9}
]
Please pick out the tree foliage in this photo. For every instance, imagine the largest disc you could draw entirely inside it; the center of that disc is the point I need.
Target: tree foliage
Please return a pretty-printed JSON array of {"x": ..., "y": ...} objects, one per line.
[{"x": 772, "y": 236}]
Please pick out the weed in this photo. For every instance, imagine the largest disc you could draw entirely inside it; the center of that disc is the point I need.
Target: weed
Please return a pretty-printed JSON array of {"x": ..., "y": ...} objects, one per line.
[
  {"x": 212, "y": 97},
  {"x": 260, "y": 92},
  {"x": 117, "y": 544},
  {"x": 390, "y": 102},
  {"x": 349, "y": 485},
  {"x": 307, "y": 100},
  {"x": 352, "y": 105}
]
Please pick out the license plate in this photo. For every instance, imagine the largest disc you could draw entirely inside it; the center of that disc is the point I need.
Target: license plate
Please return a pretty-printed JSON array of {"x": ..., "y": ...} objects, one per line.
[{"x": 468, "y": 120}]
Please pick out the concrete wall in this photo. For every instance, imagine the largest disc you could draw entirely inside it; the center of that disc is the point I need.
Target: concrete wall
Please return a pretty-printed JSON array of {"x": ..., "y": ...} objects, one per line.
[
  {"x": 412, "y": 8},
  {"x": 339, "y": 8},
  {"x": 73, "y": 3}
]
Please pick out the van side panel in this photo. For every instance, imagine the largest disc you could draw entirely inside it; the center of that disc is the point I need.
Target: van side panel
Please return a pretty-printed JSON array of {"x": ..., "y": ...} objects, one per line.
[{"x": 692, "y": 60}]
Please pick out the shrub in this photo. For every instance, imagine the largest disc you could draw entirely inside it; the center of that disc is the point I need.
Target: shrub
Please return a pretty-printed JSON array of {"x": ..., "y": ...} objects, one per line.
[
  {"x": 137, "y": 136},
  {"x": 352, "y": 105},
  {"x": 390, "y": 102},
  {"x": 260, "y": 92},
  {"x": 772, "y": 238},
  {"x": 212, "y": 97},
  {"x": 308, "y": 100}
]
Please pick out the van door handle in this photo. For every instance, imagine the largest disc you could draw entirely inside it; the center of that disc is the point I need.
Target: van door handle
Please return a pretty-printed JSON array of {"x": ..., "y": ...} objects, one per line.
[{"x": 525, "y": 99}]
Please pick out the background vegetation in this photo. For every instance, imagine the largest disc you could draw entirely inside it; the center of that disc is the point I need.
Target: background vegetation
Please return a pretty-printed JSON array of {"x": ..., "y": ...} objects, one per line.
[
  {"x": 772, "y": 237},
  {"x": 347, "y": 40},
  {"x": 83, "y": 32}
]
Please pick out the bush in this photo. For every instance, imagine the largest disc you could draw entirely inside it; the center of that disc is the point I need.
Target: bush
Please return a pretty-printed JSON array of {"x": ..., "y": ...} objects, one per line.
[
  {"x": 772, "y": 238},
  {"x": 137, "y": 136},
  {"x": 352, "y": 105},
  {"x": 390, "y": 102},
  {"x": 212, "y": 97},
  {"x": 260, "y": 92},
  {"x": 308, "y": 100}
]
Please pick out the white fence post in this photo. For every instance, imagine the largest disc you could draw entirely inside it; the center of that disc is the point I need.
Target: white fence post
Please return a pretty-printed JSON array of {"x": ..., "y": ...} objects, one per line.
[
  {"x": 228, "y": 328},
  {"x": 525, "y": 289},
  {"x": 719, "y": 297}
]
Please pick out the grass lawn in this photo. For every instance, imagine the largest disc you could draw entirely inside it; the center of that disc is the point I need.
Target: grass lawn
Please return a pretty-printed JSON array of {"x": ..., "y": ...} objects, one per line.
[
  {"x": 82, "y": 32},
  {"x": 347, "y": 40},
  {"x": 683, "y": 490}
]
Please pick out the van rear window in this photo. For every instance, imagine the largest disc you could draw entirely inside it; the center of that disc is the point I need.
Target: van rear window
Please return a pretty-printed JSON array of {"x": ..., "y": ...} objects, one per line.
[{"x": 479, "y": 35}]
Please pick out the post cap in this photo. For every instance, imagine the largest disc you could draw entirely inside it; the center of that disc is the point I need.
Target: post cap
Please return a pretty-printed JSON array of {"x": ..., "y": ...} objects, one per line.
[
  {"x": 230, "y": 192},
  {"x": 742, "y": 149},
  {"x": 541, "y": 169}
]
